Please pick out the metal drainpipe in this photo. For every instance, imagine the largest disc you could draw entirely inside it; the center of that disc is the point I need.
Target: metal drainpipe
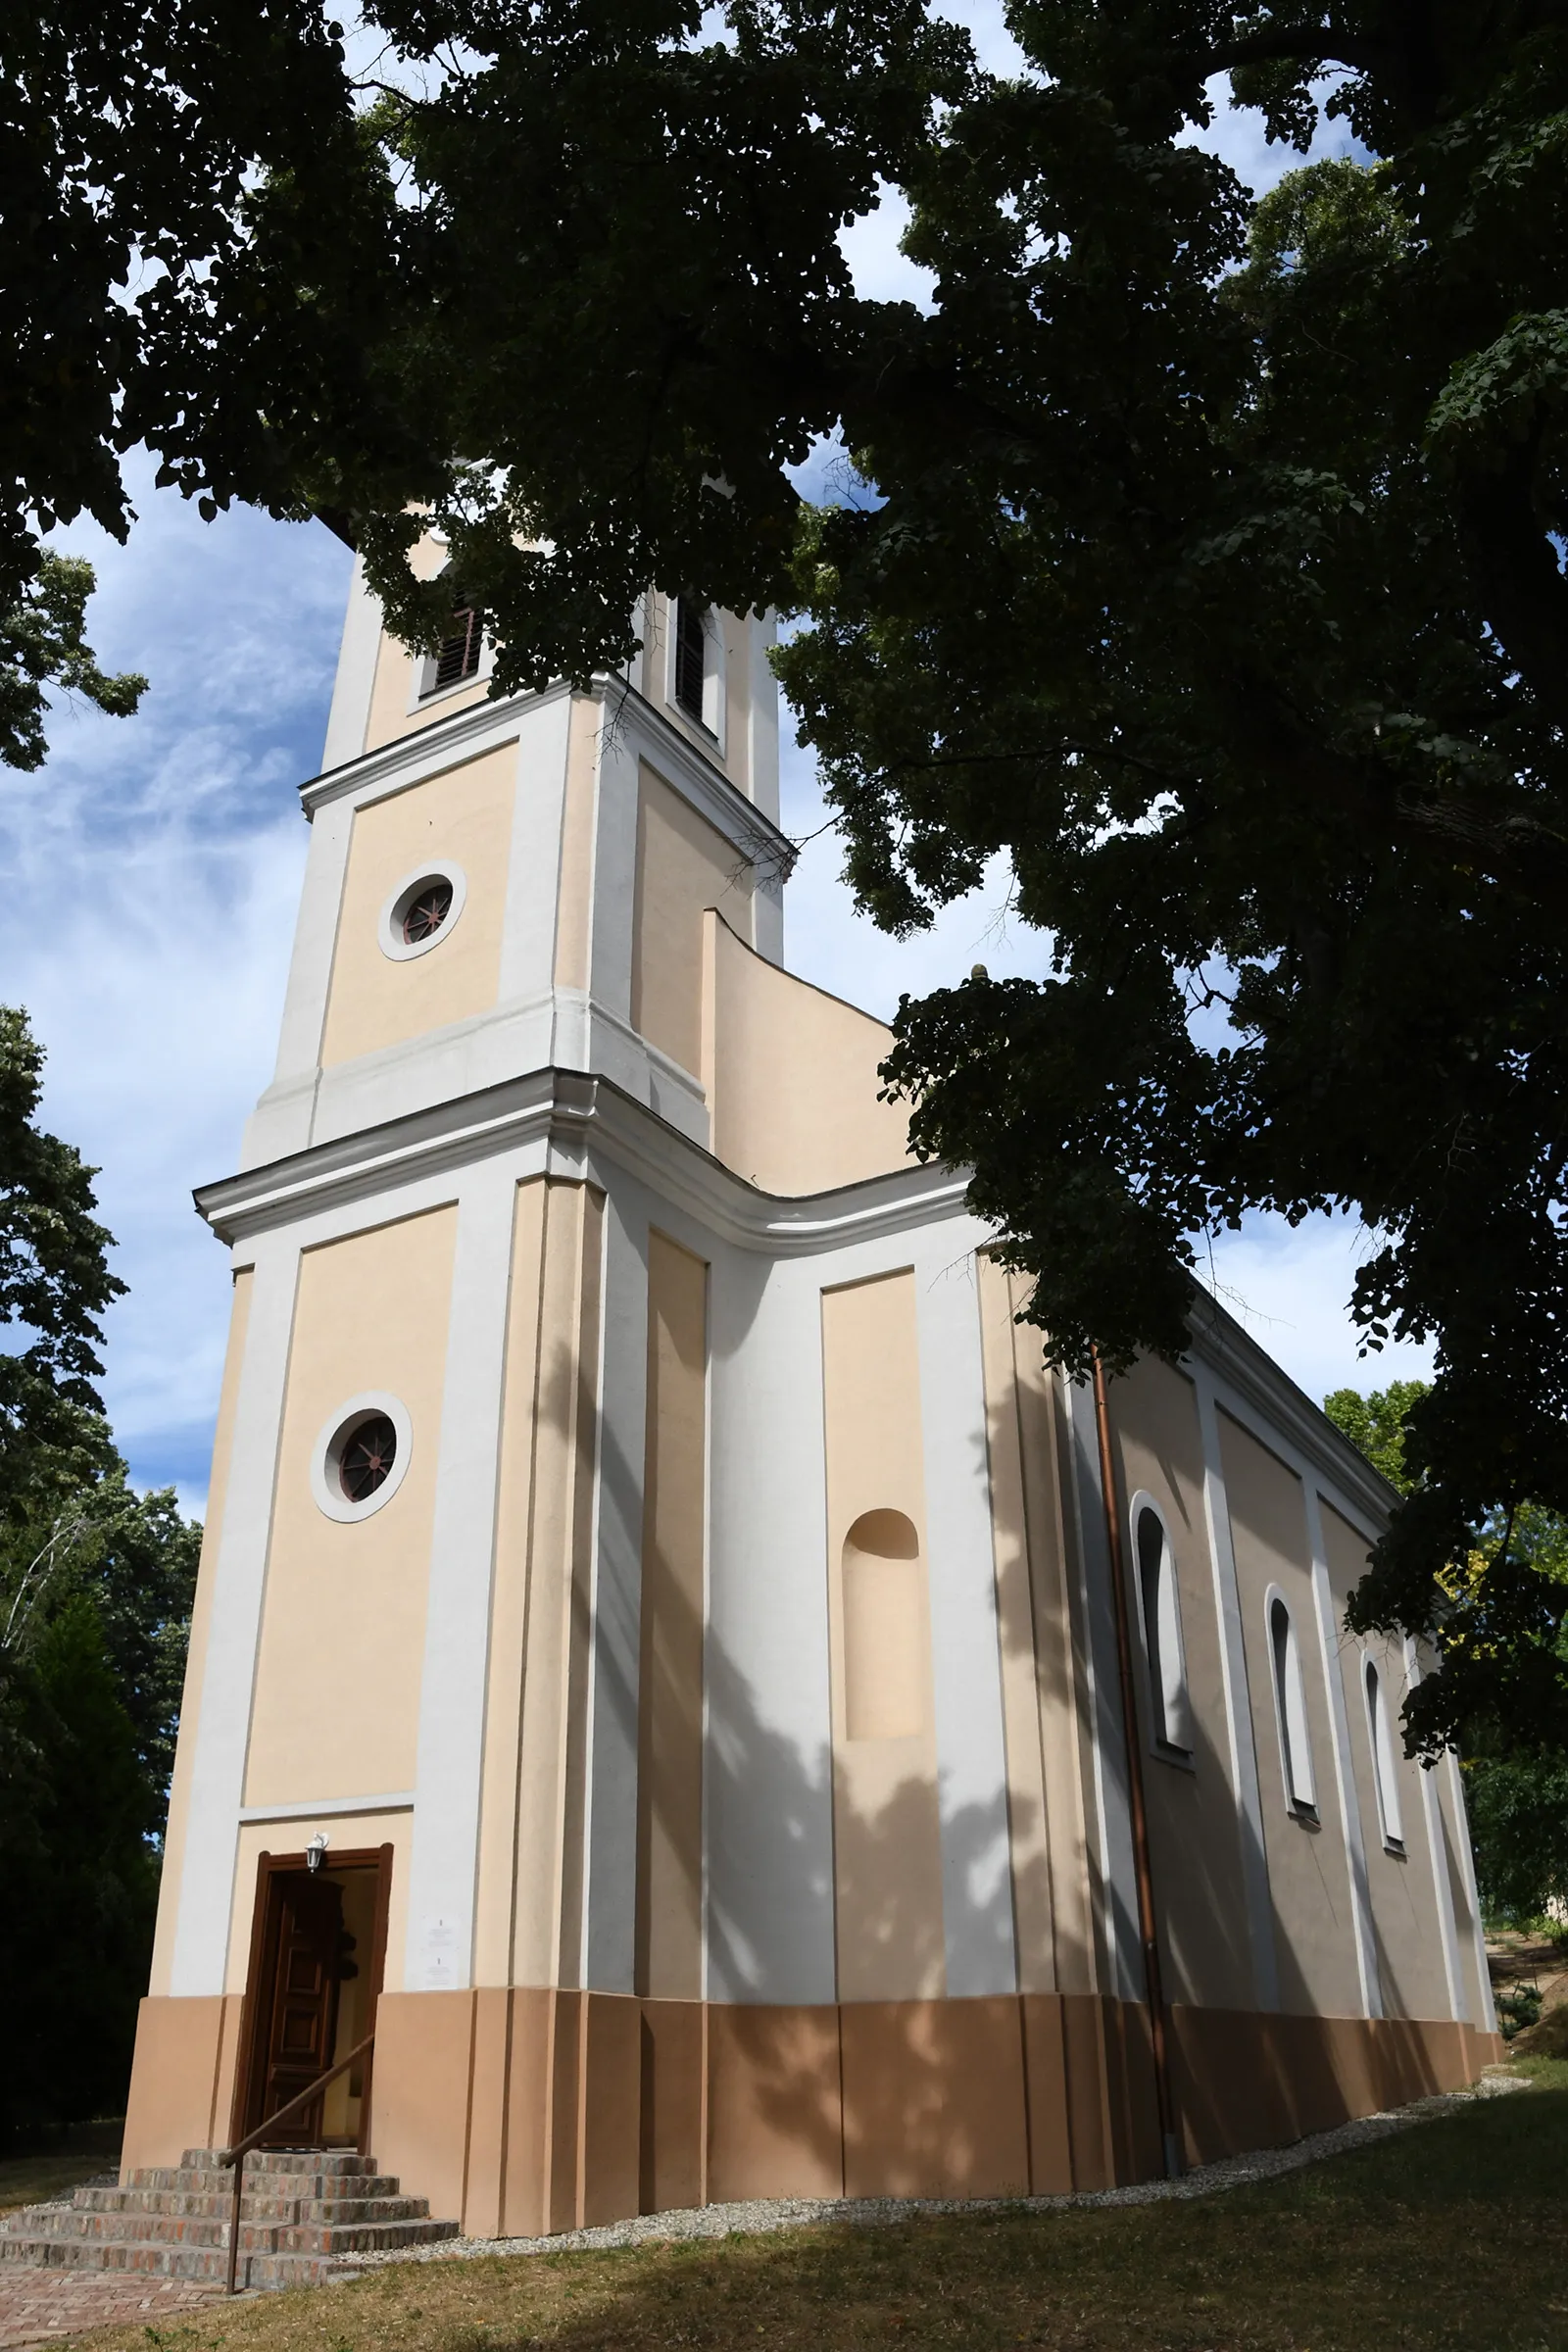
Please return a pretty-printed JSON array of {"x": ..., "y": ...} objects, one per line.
[{"x": 1142, "y": 1868}]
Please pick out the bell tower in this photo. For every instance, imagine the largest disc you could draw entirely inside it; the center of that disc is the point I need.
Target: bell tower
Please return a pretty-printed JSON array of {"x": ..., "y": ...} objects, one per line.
[{"x": 571, "y": 843}]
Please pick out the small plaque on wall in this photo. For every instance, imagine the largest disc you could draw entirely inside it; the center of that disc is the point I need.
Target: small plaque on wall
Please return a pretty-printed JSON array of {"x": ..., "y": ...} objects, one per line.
[{"x": 438, "y": 1956}]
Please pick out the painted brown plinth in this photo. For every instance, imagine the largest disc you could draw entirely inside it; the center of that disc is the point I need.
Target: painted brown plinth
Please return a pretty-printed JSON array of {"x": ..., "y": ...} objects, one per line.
[
  {"x": 523, "y": 2112},
  {"x": 183, "y": 2079}
]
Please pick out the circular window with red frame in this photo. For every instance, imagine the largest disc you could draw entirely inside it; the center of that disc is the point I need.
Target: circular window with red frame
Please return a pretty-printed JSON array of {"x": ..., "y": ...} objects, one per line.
[{"x": 361, "y": 1456}]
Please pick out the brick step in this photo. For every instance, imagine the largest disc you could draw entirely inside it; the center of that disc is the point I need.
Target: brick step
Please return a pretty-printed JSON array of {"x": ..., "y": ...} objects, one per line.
[
  {"x": 303, "y": 2210},
  {"x": 256, "y": 2237},
  {"x": 282, "y": 2160},
  {"x": 210, "y": 2263},
  {"x": 218, "y": 2180},
  {"x": 214, "y": 2204}
]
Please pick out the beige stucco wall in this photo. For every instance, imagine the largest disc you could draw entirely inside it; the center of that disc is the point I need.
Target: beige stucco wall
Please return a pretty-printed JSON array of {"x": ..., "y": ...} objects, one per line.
[
  {"x": 464, "y": 814},
  {"x": 1042, "y": 1699},
  {"x": 200, "y": 1622},
  {"x": 1404, "y": 1923},
  {"x": 887, "y": 1836},
  {"x": 684, "y": 865},
  {"x": 336, "y": 1704},
  {"x": 795, "y": 1079},
  {"x": 669, "y": 1689},
  {"x": 1314, "y": 1932},
  {"x": 528, "y": 1905},
  {"x": 1194, "y": 1838}
]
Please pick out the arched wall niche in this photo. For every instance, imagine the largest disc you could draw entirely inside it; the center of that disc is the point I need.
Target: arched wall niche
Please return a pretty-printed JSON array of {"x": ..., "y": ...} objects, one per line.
[{"x": 886, "y": 1679}]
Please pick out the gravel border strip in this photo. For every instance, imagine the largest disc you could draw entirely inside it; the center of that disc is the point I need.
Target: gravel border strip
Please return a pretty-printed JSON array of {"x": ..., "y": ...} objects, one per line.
[{"x": 762, "y": 2214}]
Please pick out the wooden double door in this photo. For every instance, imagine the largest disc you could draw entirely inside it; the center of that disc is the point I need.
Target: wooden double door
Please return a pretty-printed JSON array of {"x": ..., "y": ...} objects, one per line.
[{"x": 317, "y": 1949}]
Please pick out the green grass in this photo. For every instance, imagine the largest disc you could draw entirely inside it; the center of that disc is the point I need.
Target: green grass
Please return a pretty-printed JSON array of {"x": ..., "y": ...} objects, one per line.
[
  {"x": 1451, "y": 2234},
  {"x": 27, "y": 2179}
]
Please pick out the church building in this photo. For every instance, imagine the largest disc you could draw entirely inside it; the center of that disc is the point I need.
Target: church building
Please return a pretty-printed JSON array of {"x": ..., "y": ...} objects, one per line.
[{"x": 664, "y": 1640}]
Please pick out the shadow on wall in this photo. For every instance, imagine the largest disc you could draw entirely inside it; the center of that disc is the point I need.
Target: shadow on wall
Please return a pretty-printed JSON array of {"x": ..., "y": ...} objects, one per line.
[{"x": 984, "y": 2095}]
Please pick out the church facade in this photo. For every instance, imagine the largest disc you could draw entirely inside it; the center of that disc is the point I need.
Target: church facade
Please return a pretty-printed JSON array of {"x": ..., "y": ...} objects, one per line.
[{"x": 661, "y": 1637}]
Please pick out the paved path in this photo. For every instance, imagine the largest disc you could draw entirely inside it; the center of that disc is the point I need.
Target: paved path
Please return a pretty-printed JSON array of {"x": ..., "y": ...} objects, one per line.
[{"x": 41, "y": 2306}]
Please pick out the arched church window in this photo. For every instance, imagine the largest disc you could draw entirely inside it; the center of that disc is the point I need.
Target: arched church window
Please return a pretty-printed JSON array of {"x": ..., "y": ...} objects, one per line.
[
  {"x": 1385, "y": 1778},
  {"x": 1289, "y": 1707},
  {"x": 885, "y": 1662},
  {"x": 1170, "y": 1707},
  {"x": 457, "y": 656},
  {"x": 691, "y": 659}
]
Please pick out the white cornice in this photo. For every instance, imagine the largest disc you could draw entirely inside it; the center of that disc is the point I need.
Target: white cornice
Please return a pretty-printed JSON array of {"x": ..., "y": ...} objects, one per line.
[
  {"x": 425, "y": 749},
  {"x": 1237, "y": 1360},
  {"x": 443, "y": 741},
  {"x": 575, "y": 1118}
]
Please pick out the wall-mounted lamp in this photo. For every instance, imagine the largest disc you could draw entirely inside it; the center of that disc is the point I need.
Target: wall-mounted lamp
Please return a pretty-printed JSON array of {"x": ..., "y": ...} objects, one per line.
[{"x": 316, "y": 1851}]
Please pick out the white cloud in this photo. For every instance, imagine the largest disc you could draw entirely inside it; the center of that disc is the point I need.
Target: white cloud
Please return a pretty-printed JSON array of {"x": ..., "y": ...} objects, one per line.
[
  {"x": 870, "y": 246},
  {"x": 828, "y": 941},
  {"x": 159, "y": 859},
  {"x": 1291, "y": 1288}
]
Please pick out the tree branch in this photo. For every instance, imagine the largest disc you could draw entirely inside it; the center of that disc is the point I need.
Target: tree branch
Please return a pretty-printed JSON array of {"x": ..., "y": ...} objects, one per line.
[{"x": 1310, "y": 44}]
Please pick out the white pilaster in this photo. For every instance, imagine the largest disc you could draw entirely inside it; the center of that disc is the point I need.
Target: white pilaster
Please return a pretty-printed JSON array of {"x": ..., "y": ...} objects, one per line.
[
  {"x": 222, "y": 1729},
  {"x": 1442, "y": 1884},
  {"x": 965, "y": 1650},
  {"x": 349, "y": 715},
  {"x": 283, "y": 1121},
  {"x": 1488, "y": 2020},
  {"x": 1239, "y": 1728},
  {"x": 534, "y": 875},
  {"x": 761, "y": 761},
  {"x": 609, "y": 1892},
  {"x": 768, "y": 1763},
  {"x": 1114, "y": 1826},
  {"x": 1328, "y": 1634},
  {"x": 443, "y": 1862}
]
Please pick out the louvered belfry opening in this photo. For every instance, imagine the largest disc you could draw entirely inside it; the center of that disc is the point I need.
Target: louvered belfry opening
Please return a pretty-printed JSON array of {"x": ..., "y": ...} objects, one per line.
[
  {"x": 689, "y": 662},
  {"x": 458, "y": 655}
]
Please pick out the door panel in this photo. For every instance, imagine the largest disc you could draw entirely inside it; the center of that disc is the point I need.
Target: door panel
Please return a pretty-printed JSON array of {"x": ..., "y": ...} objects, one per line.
[
  {"x": 305, "y": 1950},
  {"x": 294, "y": 2018}
]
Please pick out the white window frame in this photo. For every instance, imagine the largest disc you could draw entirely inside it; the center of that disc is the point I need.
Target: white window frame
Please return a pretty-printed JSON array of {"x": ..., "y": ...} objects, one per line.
[
  {"x": 325, "y": 1483},
  {"x": 1380, "y": 1740},
  {"x": 1170, "y": 1697},
  {"x": 1291, "y": 1721},
  {"x": 711, "y": 730},
  {"x": 389, "y": 925}
]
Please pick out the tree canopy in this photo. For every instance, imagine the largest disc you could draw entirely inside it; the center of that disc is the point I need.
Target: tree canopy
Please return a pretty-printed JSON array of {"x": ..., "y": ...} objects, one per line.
[
  {"x": 1516, "y": 1774},
  {"x": 1206, "y": 570},
  {"x": 95, "y": 1596},
  {"x": 54, "y": 1284}
]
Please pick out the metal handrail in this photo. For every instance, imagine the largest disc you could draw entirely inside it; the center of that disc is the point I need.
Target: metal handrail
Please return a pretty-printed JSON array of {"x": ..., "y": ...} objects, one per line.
[{"x": 237, "y": 2154}]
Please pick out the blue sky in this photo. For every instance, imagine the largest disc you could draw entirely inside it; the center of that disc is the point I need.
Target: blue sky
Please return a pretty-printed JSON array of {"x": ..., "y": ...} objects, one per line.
[{"x": 160, "y": 858}]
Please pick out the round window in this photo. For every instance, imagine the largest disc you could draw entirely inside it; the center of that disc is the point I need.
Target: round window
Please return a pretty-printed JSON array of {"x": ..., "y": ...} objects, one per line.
[
  {"x": 421, "y": 912},
  {"x": 361, "y": 1456},
  {"x": 366, "y": 1459},
  {"x": 426, "y": 911}
]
